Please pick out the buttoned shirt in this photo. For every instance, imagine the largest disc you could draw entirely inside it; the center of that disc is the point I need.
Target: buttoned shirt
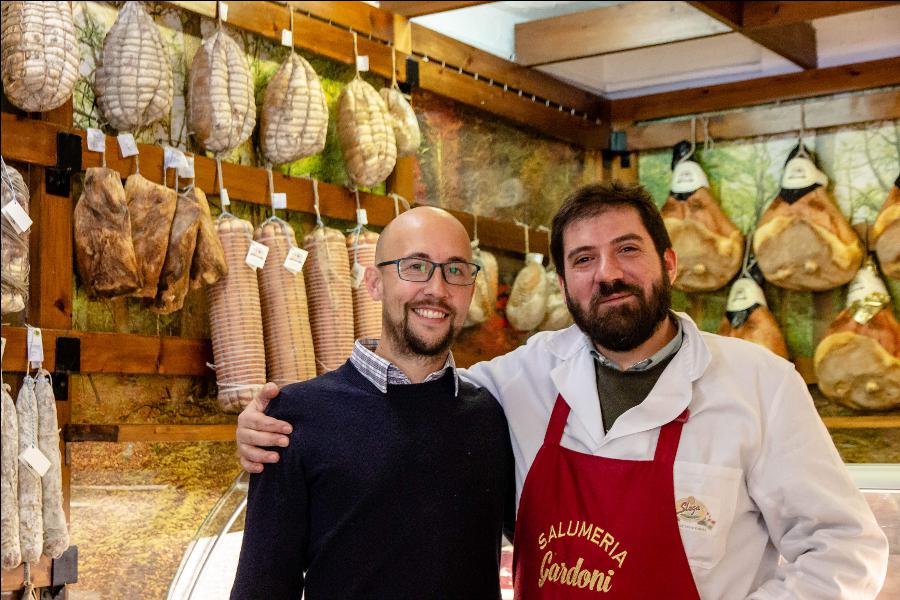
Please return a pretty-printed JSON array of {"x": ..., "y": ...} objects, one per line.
[
  {"x": 665, "y": 352},
  {"x": 381, "y": 372}
]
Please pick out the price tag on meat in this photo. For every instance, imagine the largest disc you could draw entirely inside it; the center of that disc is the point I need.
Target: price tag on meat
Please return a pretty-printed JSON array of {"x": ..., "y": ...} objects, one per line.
[
  {"x": 279, "y": 200},
  {"x": 362, "y": 217},
  {"x": 295, "y": 260},
  {"x": 223, "y": 11},
  {"x": 287, "y": 38},
  {"x": 35, "y": 460},
  {"x": 256, "y": 255},
  {"x": 362, "y": 63},
  {"x": 186, "y": 168},
  {"x": 127, "y": 145},
  {"x": 223, "y": 198},
  {"x": 35, "y": 343},
  {"x": 537, "y": 257},
  {"x": 96, "y": 140},
  {"x": 172, "y": 157},
  {"x": 357, "y": 275},
  {"x": 16, "y": 215}
]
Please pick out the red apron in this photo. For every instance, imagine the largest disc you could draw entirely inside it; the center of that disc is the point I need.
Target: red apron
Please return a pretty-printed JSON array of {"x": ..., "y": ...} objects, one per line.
[{"x": 589, "y": 524}]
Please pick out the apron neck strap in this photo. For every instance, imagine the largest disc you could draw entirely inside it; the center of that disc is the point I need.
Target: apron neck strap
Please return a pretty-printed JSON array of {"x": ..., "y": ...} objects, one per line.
[
  {"x": 557, "y": 421},
  {"x": 669, "y": 436}
]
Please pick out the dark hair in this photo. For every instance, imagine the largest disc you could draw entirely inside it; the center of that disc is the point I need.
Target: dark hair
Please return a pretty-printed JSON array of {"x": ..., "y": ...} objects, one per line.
[{"x": 595, "y": 198}]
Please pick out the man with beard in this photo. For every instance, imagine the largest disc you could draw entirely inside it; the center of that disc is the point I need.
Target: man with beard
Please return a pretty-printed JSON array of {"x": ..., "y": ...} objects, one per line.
[
  {"x": 400, "y": 481},
  {"x": 654, "y": 460}
]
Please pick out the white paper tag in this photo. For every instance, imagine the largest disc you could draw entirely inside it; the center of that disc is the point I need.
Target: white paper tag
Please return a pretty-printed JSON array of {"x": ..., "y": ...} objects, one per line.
[
  {"x": 744, "y": 293},
  {"x": 35, "y": 344},
  {"x": 287, "y": 38},
  {"x": 362, "y": 217},
  {"x": 16, "y": 215},
  {"x": 295, "y": 260},
  {"x": 362, "y": 63},
  {"x": 2, "y": 347},
  {"x": 96, "y": 140},
  {"x": 35, "y": 460},
  {"x": 172, "y": 157},
  {"x": 279, "y": 200},
  {"x": 866, "y": 283},
  {"x": 357, "y": 275},
  {"x": 535, "y": 257},
  {"x": 223, "y": 11},
  {"x": 688, "y": 177},
  {"x": 186, "y": 168},
  {"x": 223, "y": 197},
  {"x": 256, "y": 255},
  {"x": 799, "y": 173},
  {"x": 127, "y": 145}
]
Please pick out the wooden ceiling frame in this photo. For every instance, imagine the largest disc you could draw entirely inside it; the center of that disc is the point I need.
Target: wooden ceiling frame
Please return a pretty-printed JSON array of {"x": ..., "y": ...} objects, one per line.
[{"x": 418, "y": 9}]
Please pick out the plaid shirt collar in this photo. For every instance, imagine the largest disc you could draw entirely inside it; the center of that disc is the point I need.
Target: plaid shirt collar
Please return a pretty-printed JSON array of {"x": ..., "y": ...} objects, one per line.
[{"x": 381, "y": 372}]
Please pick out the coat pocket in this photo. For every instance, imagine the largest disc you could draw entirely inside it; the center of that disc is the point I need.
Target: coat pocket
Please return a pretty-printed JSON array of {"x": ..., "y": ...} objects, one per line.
[{"x": 705, "y": 500}]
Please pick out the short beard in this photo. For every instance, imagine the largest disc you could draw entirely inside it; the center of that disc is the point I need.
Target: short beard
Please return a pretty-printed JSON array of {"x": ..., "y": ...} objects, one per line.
[
  {"x": 407, "y": 343},
  {"x": 624, "y": 327}
]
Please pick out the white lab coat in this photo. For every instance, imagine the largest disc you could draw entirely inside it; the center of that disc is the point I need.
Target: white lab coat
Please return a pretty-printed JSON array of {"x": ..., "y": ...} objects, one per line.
[{"x": 754, "y": 453}]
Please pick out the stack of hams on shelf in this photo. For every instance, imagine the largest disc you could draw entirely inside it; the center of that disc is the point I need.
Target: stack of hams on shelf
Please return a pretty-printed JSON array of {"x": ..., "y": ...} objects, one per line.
[
  {"x": 886, "y": 233},
  {"x": 802, "y": 241},
  {"x": 747, "y": 316},
  {"x": 857, "y": 363},
  {"x": 709, "y": 246}
]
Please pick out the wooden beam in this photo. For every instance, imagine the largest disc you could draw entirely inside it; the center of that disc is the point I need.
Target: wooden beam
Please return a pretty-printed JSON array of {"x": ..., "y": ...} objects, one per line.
[
  {"x": 148, "y": 432},
  {"x": 417, "y": 9},
  {"x": 611, "y": 29},
  {"x": 863, "y": 422},
  {"x": 765, "y": 14},
  {"x": 772, "y": 120},
  {"x": 792, "y": 86},
  {"x": 13, "y": 580},
  {"x": 795, "y": 42},
  {"x": 359, "y": 16}
]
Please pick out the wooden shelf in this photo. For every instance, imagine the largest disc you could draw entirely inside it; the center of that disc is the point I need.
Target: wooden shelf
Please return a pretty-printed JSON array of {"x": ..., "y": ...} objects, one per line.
[{"x": 142, "y": 432}]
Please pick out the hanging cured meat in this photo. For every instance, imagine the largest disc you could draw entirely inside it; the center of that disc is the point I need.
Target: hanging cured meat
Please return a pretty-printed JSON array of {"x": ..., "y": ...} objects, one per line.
[
  {"x": 15, "y": 265},
  {"x": 236, "y": 320},
  {"x": 708, "y": 245},
  {"x": 133, "y": 80},
  {"x": 104, "y": 253},
  {"x": 747, "y": 316},
  {"x": 330, "y": 297},
  {"x": 221, "y": 105},
  {"x": 802, "y": 241},
  {"x": 886, "y": 233},
  {"x": 403, "y": 121},
  {"x": 10, "y": 554},
  {"x": 56, "y": 532},
  {"x": 31, "y": 524},
  {"x": 39, "y": 54},
  {"x": 208, "y": 265},
  {"x": 858, "y": 361},
  {"x": 175, "y": 277},
  {"x": 285, "y": 312},
  {"x": 366, "y": 133},
  {"x": 482, "y": 306},
  {"x": 527, "y": 303},
  {"x": 294, "y": 114},
  {"x": 151, "y": 209},
  {"x": 557, "y": 315},
  {"x": 366, "y": 310}
]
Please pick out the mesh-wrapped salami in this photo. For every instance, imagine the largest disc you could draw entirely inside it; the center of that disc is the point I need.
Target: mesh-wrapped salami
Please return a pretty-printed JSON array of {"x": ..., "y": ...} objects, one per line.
[
  {"x": 236, "y": 320},
  {"x": 10, "y": 554},
  {"x": 366, "y": 310},
  {"x": 285, "y": 311},
  {"x": 133, "y": 80},
  {"x": 527, "y": 303},
  {"x": 366, "y": 133},
  {"x": 330, "y": 296},
  {"x": 31, "y": 524},
  {"x": 151, "y": 210},
  {"x": 295, "y": 113},
  {"x": 39, "y": 54},
  {"x": 104, "y": 253},
  {"x": 403, "y": 120},
  {"x": 221, "y": 104},
  {"x": 56, "y": 532},
  {"x": 15, "y": 264}
]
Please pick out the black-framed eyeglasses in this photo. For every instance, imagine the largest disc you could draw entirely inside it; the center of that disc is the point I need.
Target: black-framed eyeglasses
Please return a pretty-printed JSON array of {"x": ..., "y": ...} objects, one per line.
[{"x": 420, "y": 270}]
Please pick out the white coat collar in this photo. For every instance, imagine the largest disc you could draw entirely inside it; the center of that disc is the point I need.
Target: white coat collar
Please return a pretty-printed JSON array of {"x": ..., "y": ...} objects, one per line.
[{"x": 575, "y": 379}]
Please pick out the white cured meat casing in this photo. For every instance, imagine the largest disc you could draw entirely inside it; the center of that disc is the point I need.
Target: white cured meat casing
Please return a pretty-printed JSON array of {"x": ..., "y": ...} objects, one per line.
[
  {"x": 366, "y": 310},
  {"x": 104, "y": 253},
  {"x": 285, "y": 311},
  {"x": 528, "y": 299},
  {"x": 557, "y": 316},
  {"x": 133, "y": 81},
  {"x": 31, "y": 523},
  {"x": 294, "y": 118},
  {"x": 221, "y": 104},
  {"x": 484, "y": 299},
  {"x": 235, "y": 319},
  {"x": 56, "y": 532},
  {"x": 15, "y": 264},
  {"x": 39, "y": 54},
  {"x": 330, "y": 295},
  {"x": 9, "y": 483},
  {"x": 366, "y": 133},
  {"x": 404, "y": 121},
  {"x": 151, "y": 210}
]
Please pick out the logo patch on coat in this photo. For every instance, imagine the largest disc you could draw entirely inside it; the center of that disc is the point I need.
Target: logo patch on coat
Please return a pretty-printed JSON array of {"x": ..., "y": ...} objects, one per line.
[{"x": 693, "y": 514}]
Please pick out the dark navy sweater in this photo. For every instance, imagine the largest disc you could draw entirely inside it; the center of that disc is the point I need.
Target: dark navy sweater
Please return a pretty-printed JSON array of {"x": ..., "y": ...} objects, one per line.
[{"x": 382, "y": 496}]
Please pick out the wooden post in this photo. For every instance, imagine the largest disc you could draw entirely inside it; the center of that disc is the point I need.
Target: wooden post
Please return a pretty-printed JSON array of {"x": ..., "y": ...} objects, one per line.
[{"x": 402, "y": 180}]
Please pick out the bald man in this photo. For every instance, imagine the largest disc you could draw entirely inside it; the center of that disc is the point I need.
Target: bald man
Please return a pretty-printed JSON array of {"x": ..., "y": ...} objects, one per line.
[{"x": 400, "y": 482}]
